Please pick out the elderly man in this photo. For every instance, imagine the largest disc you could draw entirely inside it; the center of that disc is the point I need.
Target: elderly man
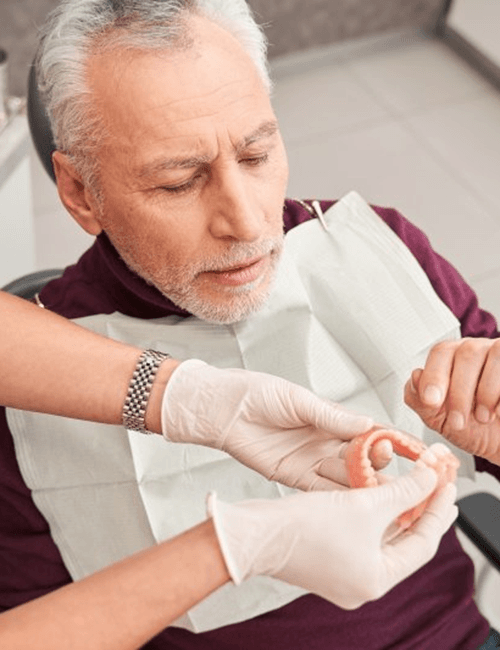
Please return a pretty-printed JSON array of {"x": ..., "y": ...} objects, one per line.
[{"x": 169, "y": 152}]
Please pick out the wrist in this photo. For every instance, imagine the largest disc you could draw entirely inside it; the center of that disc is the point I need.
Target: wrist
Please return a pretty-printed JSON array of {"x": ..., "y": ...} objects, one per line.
[{"x": 254, "y": 536}]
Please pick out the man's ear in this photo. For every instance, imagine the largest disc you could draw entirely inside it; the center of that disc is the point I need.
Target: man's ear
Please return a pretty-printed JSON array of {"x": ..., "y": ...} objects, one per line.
[{"x": 77, "y": 199}]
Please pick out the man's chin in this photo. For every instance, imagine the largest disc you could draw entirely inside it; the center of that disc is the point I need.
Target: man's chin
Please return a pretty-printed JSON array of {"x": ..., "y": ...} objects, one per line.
[
  {"x": 226, "y": 306},
  {"x": 208, "y": 301},
  {"x": 225, "y": 312}
]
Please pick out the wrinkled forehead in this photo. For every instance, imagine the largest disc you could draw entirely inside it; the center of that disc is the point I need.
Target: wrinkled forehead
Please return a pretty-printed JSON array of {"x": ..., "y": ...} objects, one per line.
[{"x": 168, "y": 95}]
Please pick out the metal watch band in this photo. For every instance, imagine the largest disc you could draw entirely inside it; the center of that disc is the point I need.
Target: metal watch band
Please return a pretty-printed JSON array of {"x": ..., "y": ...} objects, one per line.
[{"x": 139, "y": 390}]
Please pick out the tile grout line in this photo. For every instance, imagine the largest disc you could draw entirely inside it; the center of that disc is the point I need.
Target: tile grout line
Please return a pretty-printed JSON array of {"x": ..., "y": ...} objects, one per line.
[{"x": 425, "y": 144}]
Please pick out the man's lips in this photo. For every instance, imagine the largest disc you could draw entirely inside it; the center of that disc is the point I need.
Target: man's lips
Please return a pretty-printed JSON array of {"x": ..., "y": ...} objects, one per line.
[
  {"x": 242, "y": 273},
  {"x": 242, "y": 265}
]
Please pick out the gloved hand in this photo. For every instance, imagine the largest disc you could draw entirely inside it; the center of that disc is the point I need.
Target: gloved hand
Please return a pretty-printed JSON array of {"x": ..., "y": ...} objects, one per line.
[
  {"x": 334, "y": 543},
  {"x": 272, "y": 426}
]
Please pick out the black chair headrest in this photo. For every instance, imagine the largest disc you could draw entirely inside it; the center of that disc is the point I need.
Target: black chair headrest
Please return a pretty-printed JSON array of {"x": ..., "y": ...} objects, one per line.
[{"x": 41, "y": 132}]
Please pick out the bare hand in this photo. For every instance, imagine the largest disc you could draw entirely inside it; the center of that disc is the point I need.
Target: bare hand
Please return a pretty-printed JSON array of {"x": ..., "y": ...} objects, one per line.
[{"x": 458, "y": 394}]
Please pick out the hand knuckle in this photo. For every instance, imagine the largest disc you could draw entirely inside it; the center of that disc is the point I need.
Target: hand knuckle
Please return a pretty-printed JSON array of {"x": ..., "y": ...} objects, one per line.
[
  {"x": 494, "y": 351},
  {"x": 468, "y": 350},
  {"x": 443, "y": 347}
]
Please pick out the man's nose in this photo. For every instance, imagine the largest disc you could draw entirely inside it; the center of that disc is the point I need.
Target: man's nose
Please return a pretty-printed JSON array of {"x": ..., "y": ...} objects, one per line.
[{"x": 235, "y": 212}]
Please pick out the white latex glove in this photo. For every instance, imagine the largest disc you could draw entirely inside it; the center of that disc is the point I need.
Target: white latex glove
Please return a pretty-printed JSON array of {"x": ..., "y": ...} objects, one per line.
[
  {"x": 273, "y": 426},
  {"x": 333, "y": 543}
]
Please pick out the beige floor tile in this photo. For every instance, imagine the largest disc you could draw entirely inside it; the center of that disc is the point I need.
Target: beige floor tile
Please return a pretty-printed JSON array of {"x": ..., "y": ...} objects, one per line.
[
  {"x": 387, "y": 166},
  {"x": 418, "y": 75},
  {"x": 322, "y": 100},
  {"x": 466, "y": 137}
]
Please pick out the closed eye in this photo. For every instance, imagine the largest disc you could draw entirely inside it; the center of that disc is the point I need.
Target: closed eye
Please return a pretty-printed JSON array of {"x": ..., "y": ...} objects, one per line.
[
  {"x": 183, "y": 187},
  {"x": 255, "y": 161}
]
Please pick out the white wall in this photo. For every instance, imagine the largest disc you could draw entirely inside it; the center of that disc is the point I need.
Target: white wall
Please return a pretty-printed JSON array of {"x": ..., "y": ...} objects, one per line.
[
  {"x": 17, "y": 242},
  {"x": 478, "y": 21}
]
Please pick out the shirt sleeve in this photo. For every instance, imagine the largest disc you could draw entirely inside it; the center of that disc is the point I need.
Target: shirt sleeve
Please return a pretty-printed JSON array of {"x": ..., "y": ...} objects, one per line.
[{"x": 451, "y": 287}]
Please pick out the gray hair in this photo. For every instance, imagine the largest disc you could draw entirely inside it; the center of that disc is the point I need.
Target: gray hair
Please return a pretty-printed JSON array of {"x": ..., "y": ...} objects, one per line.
[{"x": 76, "y": 28}]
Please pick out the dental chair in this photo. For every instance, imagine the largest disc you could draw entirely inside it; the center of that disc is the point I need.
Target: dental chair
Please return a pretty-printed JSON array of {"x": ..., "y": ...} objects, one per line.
[
  {"x": 29, "y": 285},
  {"x": 479, "y": 517}
]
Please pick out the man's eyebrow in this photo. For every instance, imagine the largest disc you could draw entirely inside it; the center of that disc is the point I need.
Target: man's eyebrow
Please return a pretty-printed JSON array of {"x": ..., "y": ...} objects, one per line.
[
  {"x": 176, "y": 162},
  {"x": 265, "y": 130}
]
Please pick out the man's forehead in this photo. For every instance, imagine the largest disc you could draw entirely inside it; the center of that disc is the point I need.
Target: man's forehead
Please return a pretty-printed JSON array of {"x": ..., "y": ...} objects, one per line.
[
  {"x": 189, "y": 160},
  {"x": 213, "y": 60}
]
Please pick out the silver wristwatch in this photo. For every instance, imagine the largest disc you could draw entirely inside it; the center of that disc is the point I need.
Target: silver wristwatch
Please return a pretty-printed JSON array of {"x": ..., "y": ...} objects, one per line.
[{"x": 139, "y": 390}]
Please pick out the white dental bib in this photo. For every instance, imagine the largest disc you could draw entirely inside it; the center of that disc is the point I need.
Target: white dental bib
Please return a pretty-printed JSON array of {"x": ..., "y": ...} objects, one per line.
[{"x": 351, "y": 314}]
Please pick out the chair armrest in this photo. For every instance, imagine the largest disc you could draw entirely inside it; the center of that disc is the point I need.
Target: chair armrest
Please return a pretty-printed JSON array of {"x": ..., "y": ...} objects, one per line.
[
  {"x": 479, "y": 520},
  {"x": 28, "y": 285}
]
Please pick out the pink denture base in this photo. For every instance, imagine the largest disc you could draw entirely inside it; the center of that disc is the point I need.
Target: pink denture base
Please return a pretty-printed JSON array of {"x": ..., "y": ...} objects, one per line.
[{"x": 362, "y": 474}]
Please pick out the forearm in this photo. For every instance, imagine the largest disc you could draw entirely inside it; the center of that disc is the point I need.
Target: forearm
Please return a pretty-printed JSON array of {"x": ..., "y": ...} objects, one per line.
[
  {"x": 51, "y": 365},
  {"x": 125, "y": 605}
]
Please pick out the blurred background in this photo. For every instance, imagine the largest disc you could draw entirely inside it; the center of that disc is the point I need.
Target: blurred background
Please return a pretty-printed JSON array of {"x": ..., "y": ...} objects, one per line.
[
  {"x": 292, "y": 24},
  {"x": 397, "y": 99}
]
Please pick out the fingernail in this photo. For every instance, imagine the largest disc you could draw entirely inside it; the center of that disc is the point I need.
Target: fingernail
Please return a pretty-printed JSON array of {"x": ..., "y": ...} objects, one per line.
[
  {"x": 456, "y": 420},
  {"x": 432, "y": 395},
  {"x": 482, "y": 414}
]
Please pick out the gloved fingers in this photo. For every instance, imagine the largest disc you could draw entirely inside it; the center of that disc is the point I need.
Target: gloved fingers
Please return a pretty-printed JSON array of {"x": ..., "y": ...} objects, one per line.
[
  {"x": 301, "y": 467},
  {"x": 404, "y": 492},
  {"x": 334, "y": 470},
  {"x": 440, "y": 509},
  {"x": 416, "y": 546},
  {"x": 316, "y": 483},
  {"x": 327, "y": 416},
  {"x": 380, "y": 454},
  {"x": 383, "y": 479}
]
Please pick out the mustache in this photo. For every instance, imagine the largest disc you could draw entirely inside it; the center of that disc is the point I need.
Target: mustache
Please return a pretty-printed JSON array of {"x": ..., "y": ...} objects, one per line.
[{"x": 239, "y": 254}]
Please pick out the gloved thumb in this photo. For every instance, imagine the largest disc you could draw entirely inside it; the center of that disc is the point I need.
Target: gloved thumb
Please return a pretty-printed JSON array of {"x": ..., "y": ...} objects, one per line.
[
  {"x": 427, "y": 531},
  {"x": 405, "y": 492}
]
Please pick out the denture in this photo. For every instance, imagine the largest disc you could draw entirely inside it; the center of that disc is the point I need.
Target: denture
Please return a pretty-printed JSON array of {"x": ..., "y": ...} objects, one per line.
[{"x": 362, "y": 474}]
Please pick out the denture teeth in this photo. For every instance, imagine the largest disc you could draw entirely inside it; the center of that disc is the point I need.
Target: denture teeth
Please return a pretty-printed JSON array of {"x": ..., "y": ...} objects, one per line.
[
  {"x": 439, "y": 449},
  {"x": 428, "y": 456},
  {"x": 362, "y": 473}
]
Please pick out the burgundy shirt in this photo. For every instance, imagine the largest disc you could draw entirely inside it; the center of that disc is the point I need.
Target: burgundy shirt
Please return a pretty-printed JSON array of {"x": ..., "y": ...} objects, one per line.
[{"x": 432, "y": 609}]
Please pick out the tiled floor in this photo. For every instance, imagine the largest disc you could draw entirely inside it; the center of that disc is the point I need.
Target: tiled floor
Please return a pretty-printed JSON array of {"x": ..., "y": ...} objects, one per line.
[{"x": 403, "y": 121}]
